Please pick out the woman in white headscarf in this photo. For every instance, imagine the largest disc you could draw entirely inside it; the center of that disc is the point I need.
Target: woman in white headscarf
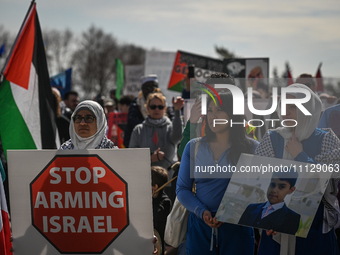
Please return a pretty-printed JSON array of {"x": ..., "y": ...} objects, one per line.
[
  {"x": 88, "y": 128},
  {"x": 305, "y": 143}
]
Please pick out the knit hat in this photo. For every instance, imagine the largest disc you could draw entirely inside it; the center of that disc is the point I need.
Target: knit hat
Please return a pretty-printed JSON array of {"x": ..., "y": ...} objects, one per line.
[{"x": 150, "y": 77}]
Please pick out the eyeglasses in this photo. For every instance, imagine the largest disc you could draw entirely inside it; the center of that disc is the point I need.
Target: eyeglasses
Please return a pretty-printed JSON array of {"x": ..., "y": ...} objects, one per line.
[
  {"x": 153, "y": 107},
  {"x": 87, "y": 119}
]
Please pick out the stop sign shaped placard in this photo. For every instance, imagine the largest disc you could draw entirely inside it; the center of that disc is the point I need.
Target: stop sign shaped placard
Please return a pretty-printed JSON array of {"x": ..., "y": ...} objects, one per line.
[{"x": 79, "y": 204}]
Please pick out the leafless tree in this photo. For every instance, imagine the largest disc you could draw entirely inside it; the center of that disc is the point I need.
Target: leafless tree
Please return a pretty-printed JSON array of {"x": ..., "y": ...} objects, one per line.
[
  {"x": 59, "y": 45},
  {"x": 94, "y": 61},
  {"x": 7, "y": 40},
  {"x": 224, "y": 52},
  {"x": 131, "y": 54}
]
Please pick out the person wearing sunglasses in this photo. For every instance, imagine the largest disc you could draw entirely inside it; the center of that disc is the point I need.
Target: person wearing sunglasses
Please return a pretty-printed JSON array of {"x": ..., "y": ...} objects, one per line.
[
  {"x": 88, "y": 128},
  {"x": 137, "y": 109},
  {"x": 157, "y": 132}
]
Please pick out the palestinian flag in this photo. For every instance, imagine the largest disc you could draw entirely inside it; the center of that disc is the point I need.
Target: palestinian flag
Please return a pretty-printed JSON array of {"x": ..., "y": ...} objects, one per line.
[
  {"x": 204, "y": 67},
  {"x": 178, "y": 74},
  {"x": 27, "y": 119}
]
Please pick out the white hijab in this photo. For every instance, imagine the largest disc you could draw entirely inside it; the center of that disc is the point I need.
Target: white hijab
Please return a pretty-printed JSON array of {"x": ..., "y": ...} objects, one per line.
[
  {"x": 93, "y": 141},
  {"x": 306, "y": 124},
  {"x": 304, "y": 129}
]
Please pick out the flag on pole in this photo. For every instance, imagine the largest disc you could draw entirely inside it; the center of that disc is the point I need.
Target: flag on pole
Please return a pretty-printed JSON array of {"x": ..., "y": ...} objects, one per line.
[
  {"x": 289, "y": 76},
  {"x": 27, "y": 119},
  {"x": 119, "y": 77},
  {"x": 62, "y": 81},
  {"x": 176, "y": 78},
  {"x": 319, "y": 81}
]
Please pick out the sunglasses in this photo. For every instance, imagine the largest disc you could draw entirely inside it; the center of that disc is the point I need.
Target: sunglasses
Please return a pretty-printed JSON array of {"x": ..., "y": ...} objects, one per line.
[
  {"x": 87, "y": 119},
  {"x": 153, "y": 107}
]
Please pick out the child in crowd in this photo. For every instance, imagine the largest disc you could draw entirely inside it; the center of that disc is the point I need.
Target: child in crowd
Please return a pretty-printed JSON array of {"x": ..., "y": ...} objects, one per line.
[{"x": 160, "y": 201}]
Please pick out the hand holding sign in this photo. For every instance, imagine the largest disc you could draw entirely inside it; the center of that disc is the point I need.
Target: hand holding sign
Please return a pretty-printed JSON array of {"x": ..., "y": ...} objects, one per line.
[{"x": 210, "y": 221}]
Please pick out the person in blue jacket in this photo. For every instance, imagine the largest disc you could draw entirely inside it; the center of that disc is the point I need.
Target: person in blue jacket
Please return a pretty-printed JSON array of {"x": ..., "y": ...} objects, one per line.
[
  {"x": 305, "y": 143},
  {"x": 222, "y": 146}
]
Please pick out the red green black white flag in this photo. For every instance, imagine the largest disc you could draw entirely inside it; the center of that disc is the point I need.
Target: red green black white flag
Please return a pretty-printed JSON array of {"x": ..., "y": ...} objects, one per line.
[{"x": 27, "y": 119}]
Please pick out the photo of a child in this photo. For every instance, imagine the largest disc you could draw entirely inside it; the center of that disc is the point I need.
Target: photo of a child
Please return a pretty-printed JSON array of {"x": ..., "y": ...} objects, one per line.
[{"x": 274, "y": 214}]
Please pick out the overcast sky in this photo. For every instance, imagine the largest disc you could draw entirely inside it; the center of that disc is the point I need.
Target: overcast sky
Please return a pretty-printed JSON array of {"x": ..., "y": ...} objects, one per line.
[{"x": 303, "y": 32}]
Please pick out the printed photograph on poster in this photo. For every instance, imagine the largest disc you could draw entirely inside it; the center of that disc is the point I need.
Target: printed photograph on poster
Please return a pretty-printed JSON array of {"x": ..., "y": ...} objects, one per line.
[
  {"x": 249, "y": 72},
  {"x": 257, "y": 73},
  {"x": 253, "y": 198},
  {"x": 236, "y": 68}
]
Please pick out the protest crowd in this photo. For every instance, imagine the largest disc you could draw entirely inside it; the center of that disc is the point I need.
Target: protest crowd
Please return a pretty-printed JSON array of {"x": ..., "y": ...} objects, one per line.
[
  {"x": 154, "y": 125},
  {"x": 184, "y": 136}
]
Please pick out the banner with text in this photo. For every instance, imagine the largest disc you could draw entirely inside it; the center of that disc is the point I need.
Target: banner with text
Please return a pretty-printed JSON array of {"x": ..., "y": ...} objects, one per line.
[
  {"x": 133, "y": 74},
  {"x": 248, "y": 72},
  {"x": 93, "y": 202}
]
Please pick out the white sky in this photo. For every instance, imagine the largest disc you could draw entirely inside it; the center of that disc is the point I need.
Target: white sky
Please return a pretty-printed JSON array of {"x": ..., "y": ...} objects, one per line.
[{"x": 303, "y": 32}]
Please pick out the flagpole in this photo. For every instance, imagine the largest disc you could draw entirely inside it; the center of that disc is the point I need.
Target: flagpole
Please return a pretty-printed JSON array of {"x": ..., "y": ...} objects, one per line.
[
  {"x": 16, "y": 39},
  {"x": 28, "y": 12}
]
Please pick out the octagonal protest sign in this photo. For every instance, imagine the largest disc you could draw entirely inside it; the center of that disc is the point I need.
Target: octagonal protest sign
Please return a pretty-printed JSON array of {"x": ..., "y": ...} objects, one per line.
[{"x": 79, "y": 204}]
